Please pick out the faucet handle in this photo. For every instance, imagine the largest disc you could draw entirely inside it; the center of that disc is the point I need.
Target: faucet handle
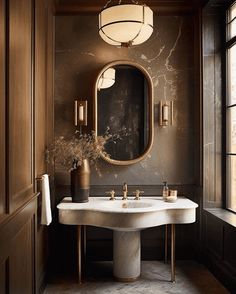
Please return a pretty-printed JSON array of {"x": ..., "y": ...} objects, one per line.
[
  {"x": 112, "y": 194},
  {"x": 137, "y": 194}
]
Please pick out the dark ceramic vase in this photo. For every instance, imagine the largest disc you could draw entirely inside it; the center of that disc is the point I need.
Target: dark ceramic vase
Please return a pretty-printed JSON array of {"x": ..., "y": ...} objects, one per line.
[{"x": 80, "y": 182}]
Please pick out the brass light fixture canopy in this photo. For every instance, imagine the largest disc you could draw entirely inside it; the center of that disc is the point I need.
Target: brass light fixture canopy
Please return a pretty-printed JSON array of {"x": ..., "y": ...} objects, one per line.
[{"x": 126, "y": 24}]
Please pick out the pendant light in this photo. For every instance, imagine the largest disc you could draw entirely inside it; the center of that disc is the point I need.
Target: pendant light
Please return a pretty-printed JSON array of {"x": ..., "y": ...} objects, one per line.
[{"x": 125, "y": 24}]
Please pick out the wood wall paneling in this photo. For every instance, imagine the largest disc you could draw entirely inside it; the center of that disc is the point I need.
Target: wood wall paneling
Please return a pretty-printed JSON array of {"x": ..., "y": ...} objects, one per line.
[
  {"x": 40, "y": 85},
  {"x": 2, "y": 106},
  {"x": 43, "y": 113},
  {"x": 229, "y": 247},
  {"x": 214, "y": 236},
  {"x": 21, "y": 270},
  {"x": 23, "y": 115},
  {"x": 3, "y": 276},
  {"x": 17, "y": 243},
  {"x": 50, "y": 56},
  {"x": 40, "y": 131},
  {"x": 20, "y": 103},
  {"x": 219, "y": 250}
]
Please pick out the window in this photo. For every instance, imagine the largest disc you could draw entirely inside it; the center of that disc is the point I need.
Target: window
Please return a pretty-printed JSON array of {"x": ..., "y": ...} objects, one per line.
[
  {"x": 231, "y": 22},
  {"x": 231, "y": 108}
]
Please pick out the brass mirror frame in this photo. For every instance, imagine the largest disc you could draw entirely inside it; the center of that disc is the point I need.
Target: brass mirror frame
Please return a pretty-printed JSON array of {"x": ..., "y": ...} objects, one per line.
[{"x": 151, "y": 111}]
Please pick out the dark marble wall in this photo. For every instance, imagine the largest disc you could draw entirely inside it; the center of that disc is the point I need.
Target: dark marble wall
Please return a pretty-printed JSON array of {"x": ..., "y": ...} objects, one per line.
[{"x": 168, "y": 57}]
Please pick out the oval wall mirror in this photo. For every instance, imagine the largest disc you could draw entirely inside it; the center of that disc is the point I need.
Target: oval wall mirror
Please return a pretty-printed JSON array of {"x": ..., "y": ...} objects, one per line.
[{"x": 123, "y": 106}]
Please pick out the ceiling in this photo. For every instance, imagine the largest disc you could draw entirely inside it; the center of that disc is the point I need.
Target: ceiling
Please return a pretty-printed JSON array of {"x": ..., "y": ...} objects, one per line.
[{"x": 94, "y": 6}]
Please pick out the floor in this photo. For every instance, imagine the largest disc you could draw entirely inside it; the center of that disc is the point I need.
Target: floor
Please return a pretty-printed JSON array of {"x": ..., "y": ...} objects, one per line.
[{"x": 191, "y": 277}]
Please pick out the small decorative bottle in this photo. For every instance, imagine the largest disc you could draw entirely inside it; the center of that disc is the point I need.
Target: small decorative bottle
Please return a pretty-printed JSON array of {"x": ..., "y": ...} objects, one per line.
[{"x": 165, "y": 191}]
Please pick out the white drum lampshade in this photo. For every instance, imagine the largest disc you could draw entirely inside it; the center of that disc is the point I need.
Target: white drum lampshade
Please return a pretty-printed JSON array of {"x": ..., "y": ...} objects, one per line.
[
  {"x": 107, "y": 79},
  {"x": 126, "y": 24}
]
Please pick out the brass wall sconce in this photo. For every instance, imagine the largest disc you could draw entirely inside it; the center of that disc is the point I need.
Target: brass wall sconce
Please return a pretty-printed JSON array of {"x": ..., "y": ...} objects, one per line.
[
  {"x": 166, "y": 113},
  {"x": 80, "y": 113}
]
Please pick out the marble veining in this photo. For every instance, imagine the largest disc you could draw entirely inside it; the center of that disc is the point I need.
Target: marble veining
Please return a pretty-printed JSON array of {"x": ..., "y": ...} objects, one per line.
[{"x": 168, "y": 57}]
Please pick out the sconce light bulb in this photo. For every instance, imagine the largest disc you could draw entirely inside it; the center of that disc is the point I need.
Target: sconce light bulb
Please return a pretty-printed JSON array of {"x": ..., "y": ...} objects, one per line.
[
  {"x": 81, "y": 113},
  {"x": 165, "y": 112}
]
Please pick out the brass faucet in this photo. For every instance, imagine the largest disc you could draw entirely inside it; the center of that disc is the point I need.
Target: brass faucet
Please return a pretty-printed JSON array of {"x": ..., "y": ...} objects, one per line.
[
  {"x": 125, "y": 192},
  {"x": 137, "y": 194},
  {"x": 112, "y": 194}
]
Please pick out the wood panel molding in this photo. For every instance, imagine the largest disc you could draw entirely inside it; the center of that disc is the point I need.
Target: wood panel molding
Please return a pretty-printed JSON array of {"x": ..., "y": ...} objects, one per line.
[
  {"x": 44, "y": 108},
  {"x": 17, "y": 242},
  {"x": 219, "y": 249},
  {"x": 2, "y": 107},
  {"x": 24, "y": 91},
  {"x": 21, "y": 103}
]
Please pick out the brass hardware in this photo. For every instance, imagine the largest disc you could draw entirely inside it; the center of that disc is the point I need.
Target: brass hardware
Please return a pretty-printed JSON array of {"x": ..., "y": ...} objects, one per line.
[
  {"x": 150, "y": 111},
  {"x": 79, "y": 234},
  {"x": 137, "y": 194},
  {"x": 173, "y": 253},
  {"x": 84, "y": 248},
  {"x": 125, "y": 195},
  {"x": 81, "y": 250},
  {"x": 40, "y": 178},
  {"x": 172, "y": 113},
  {"x": 166, "y": 243},
  {"x": 112, "y": 194},
  {"x": 125, "y": 192},
  {"x": 166, "y": 113},
  {"x": 172, "y": 258},
  {"x": 81, "y": 113}
]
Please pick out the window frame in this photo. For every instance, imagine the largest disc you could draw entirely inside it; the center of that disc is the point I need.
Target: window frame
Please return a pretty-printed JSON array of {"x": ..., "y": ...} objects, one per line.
[{"x": 229, "y": 43}]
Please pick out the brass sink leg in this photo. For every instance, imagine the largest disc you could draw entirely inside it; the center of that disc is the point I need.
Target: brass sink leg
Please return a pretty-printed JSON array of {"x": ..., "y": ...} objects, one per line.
[
  {"x": 79, "y": 253},
  {"x": 84, "y": 249},
  {"x": 172, "y": 253},
  {"x": 81, "y": 248},
  {"x": 166, "y": 243}
]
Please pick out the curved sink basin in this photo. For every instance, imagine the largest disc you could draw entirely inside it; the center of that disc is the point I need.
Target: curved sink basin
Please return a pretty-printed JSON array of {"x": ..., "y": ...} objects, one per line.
[{"x": 126, "y": 215}]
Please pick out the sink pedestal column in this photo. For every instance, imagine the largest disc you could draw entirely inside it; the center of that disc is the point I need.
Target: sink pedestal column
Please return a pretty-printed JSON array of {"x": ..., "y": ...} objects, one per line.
[{"x": 126, "y": 255}]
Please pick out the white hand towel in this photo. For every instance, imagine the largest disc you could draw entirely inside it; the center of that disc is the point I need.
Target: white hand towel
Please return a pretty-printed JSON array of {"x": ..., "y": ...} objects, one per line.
[{"x": 46, "y": 214}]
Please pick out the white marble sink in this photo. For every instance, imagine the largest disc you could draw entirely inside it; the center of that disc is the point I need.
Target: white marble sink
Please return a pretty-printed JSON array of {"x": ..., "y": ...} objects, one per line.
[
  {"x": 126, "y": 218},
  {"x": 126, "y": 215}
]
